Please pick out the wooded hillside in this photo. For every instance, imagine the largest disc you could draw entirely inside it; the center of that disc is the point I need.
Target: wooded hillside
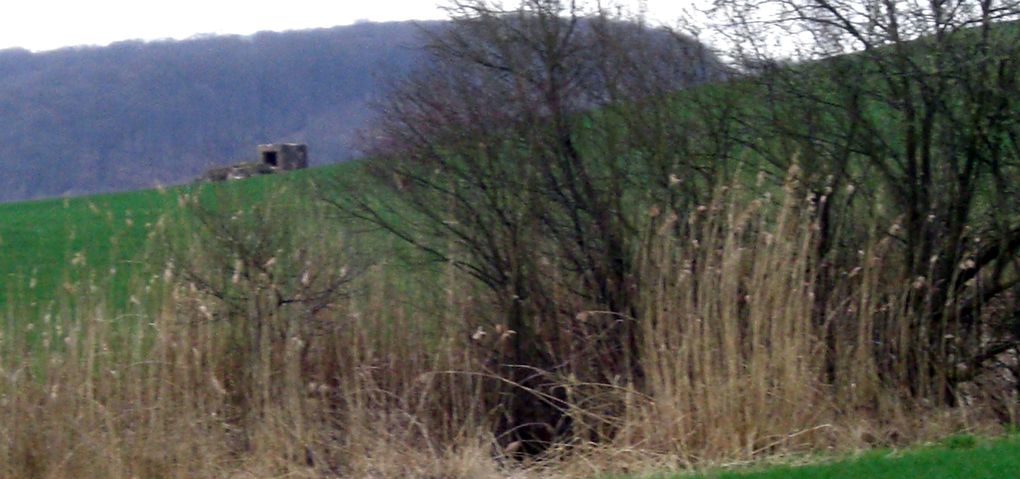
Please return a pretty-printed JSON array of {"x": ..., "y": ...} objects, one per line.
[{"x": 85, "y": 120}]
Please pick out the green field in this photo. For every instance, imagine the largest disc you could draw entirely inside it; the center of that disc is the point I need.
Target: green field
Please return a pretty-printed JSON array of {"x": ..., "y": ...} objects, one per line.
[
  {"x": 44, "y": 244},
  {"x": 48, "y": 244},
  {"x": 958, "y": 457}
]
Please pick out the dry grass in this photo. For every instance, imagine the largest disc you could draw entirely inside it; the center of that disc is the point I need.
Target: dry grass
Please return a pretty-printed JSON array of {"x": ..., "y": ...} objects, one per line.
[{"x": 190, "y": 385}]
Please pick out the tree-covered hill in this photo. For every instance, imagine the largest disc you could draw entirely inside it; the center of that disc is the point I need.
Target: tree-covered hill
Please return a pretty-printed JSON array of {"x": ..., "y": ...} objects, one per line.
[
  {"x": 96, "y": 119},
  {"x": 85, "y": 120}
]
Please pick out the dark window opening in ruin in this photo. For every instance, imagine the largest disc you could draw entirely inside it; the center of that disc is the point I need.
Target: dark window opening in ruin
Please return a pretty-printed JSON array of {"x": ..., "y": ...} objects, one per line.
[{"x": 269, "y": 158}]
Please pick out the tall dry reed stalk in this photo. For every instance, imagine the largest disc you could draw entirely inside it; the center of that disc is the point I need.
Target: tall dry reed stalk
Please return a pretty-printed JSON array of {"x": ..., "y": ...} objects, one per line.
[
  {"x": 733, "y": 357},
  {"x": 739, "y": 368}
]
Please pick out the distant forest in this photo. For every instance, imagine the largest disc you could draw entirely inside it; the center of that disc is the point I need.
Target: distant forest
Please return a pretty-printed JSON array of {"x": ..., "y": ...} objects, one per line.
[{"x": 133, "y": 114}]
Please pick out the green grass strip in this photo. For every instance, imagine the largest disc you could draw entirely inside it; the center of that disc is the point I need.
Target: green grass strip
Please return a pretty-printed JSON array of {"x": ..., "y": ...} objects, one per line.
[{"x": 960, "y": 457}]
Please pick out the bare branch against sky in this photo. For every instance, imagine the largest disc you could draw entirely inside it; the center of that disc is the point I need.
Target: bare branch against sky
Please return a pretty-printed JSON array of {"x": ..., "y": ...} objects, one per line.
[{"x": 49, "y": 24}]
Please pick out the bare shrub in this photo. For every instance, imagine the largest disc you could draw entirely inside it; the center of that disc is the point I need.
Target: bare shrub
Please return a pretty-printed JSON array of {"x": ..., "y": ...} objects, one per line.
[
  {"x": 262, "y": 271},
  {"x": 491, "y": 159}
]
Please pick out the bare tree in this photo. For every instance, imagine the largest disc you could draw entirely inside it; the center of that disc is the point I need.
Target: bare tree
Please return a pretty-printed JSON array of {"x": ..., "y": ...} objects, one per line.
[
  {"x": 262, "y": 272},
  {"x": 527, "y": 153}
]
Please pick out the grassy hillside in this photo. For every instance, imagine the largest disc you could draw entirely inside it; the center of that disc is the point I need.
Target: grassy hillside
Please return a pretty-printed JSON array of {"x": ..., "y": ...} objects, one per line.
[
  {"x": 46, "y": 243},
  {"x": 103, "y": 239}
]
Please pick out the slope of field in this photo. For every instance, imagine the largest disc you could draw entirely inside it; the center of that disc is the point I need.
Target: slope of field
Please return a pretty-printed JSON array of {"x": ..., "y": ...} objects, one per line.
[{"x": 47, "y": 245}]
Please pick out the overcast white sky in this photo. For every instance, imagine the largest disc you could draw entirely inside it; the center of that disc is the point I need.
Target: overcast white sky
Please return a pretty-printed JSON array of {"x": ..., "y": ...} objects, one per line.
[{"x": 48, "y": 24}]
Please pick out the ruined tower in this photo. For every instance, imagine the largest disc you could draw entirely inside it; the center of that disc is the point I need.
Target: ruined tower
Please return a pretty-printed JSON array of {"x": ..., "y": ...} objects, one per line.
[{"x": 284, "y": 156}]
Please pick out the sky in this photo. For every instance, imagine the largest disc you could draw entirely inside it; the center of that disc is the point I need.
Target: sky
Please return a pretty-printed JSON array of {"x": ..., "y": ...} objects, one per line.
[{"x": 40, "y": 25}]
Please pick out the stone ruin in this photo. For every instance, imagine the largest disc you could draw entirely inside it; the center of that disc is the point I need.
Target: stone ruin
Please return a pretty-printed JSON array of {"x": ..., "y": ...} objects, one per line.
[
  {"x": 271, "y": 158},
  {"x": 284, "y": 156}
]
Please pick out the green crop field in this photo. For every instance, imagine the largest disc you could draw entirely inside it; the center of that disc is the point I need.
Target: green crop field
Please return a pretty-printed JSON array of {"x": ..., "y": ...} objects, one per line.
[
  {"x": 958, "y": 457},
  {"x": 44, "y": 244},
  {"x": 47, "y": 245}
]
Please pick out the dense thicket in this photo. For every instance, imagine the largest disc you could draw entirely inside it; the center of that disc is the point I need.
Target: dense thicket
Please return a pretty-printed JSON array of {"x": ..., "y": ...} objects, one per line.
[
  {"x": 526, "y": 153},
  {"x": 539, "y": 153},
  {"x": 82, "y": 120},
  {"x": 903, "y": 116}
]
